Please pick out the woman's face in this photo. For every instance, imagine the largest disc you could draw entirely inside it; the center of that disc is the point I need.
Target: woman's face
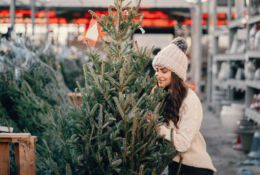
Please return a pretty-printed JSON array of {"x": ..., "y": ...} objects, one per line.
[{"x": 163, "y": 75}]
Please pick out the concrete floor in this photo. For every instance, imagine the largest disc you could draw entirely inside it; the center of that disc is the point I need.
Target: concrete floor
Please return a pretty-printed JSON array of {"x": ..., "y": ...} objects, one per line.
[{"x": 219, "y": 144}]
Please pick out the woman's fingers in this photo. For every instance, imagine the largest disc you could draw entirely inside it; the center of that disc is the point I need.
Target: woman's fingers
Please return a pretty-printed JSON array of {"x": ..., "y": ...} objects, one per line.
[
  {"x": 148, "y": 117},
  {"x": 153, "y": 90},
  {"x": 151, "y": 117},
  {"x": 158, "y": 128}
]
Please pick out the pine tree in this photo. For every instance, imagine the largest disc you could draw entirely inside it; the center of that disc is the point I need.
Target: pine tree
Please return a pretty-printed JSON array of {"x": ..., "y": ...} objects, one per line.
[
  {"x": 29, "y": 88},
  {"x": 112, "y": 135},
  {"x": 109, "y": 133}
]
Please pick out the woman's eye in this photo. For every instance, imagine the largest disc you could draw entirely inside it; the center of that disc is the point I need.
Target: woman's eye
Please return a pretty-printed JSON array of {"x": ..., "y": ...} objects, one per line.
[{"x": 164, "y": 71}]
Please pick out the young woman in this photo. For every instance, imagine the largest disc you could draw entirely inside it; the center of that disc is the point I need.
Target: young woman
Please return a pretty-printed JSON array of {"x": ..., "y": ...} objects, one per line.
[{"x": 183, "y": 113}]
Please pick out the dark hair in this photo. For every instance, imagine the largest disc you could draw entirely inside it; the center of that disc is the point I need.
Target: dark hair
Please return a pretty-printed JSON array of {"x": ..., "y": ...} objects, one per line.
[
  {"x": 156, "y": 51},
  {"x": 177, "y": 92}
]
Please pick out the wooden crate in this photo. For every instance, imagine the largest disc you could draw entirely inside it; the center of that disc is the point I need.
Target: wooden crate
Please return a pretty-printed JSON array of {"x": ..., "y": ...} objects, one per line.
[
  {"x": 24, "y": 147},
  {"x": 75, "y": 98}
]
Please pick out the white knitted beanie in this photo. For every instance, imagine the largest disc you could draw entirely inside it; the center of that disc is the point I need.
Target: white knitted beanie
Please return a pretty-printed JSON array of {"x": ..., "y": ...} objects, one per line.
[{"x": 174, "y": 59}]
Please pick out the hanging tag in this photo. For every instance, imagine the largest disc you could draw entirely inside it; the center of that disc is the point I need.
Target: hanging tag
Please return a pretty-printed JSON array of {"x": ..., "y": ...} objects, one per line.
[{"x": 92, "y": 33}]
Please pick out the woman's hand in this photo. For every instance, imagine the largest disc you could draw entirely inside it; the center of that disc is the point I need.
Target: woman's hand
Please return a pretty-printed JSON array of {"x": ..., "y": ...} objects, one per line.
[
  {"x": 148, "y": 117},
  {"x": 151, "y": 119},
  {"x": 154, "y": 88}
]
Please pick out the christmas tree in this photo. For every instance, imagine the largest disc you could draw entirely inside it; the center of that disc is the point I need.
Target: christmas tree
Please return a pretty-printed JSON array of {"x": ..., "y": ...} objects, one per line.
[
  {"x": 29, "y": 87},
  {"x": 29, "y": 91},
  {"x": 108, "y": 133},
  {"x": 112, "y": 135}
]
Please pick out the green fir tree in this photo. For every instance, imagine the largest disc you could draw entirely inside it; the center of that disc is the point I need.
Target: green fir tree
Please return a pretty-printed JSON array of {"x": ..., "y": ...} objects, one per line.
[
  {"x": 108, "y": 133},
  {"x": 112, "y": 135}
]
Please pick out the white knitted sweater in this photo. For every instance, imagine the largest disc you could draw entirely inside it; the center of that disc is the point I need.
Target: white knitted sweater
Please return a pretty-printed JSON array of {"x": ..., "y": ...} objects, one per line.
[{"x": 187, "y": 139}]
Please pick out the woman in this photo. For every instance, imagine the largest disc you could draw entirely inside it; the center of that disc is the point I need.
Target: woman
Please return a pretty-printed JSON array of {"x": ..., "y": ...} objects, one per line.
[{"x": 182, "y": 113}]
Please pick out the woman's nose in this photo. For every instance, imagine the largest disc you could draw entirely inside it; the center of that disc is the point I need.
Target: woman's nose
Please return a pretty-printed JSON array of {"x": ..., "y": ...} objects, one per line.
[{"x": 157, "y": 74}]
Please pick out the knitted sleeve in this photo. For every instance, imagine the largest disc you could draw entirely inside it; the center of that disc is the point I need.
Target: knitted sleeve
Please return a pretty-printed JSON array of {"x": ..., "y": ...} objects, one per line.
[{"x": 189, "y": 124}]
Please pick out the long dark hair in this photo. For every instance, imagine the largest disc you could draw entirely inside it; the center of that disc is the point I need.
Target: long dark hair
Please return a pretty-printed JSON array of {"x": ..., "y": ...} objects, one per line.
[{"x": 177, "y": 92}]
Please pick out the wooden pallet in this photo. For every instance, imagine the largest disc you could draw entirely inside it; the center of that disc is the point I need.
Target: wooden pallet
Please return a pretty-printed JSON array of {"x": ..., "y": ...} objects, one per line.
[
  {"x": 24, "y": 147},
  {"x": 75, "y": 98}
]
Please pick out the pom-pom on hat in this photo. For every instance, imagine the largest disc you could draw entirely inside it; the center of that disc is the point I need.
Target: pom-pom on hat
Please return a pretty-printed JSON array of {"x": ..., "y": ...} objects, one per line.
[
  {"x": 181, "y": 43},
  {"x": 173, "y": 57}
]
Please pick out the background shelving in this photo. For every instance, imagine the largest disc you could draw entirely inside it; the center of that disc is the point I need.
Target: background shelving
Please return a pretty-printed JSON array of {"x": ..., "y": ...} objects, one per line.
[
  {"x": 253, "y": 56},
  {"x": 237, "y": 23},
  {"x": 243, "y": 48},
  {"x": 253, "y": 114},
  {"x": 253, "y": 84},
  {"x": 221, "y": 32},
  {"x": 254, "y": 19},
  {"x": 229, "y": 57}
]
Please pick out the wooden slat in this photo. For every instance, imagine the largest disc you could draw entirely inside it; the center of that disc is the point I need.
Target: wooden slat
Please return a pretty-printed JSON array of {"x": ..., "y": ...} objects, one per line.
[
  {"x": 21, "y": 159},
  {"x": 24, "y": 147},
  {"x": 75, "y": 98},
  {"x": 14, "y": 135},
  {"x": 5, "y": 140},
  {"x": 32, "y": 165},
  {"x": 4, "y": 159},
  {"x": 25, "y": 156}
]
